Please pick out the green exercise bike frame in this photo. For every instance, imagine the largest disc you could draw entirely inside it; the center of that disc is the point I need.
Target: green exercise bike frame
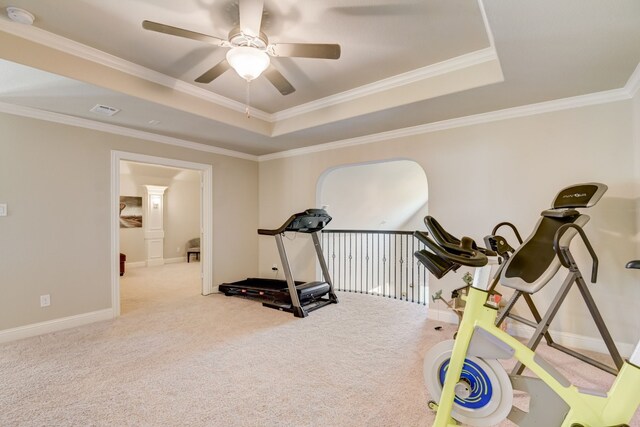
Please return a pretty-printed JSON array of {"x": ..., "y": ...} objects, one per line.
[{"x": 565, "y": 405}]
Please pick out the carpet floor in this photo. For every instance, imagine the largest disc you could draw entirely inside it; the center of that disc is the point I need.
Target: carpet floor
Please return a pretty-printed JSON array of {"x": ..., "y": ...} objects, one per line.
[{"x": 176, "y": 358}]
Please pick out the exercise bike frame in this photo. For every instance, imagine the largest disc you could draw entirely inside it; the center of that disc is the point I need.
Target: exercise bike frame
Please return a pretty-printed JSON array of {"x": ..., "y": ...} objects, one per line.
[{"x": 614, "y": 409}]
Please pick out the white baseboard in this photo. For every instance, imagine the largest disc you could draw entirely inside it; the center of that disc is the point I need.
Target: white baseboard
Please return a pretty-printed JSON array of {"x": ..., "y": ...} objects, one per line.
[
  {"x": 54, "y": 325},
  {"x": 137, "y": 264},
  {"x": 566, "y": 339},
  {"x": 446, "y": 316},
  {"x": 572, "y": 340}
]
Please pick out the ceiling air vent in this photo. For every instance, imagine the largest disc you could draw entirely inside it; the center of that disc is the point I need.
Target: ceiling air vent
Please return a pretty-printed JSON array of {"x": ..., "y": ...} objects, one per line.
[{"x": 104, "y": 110}]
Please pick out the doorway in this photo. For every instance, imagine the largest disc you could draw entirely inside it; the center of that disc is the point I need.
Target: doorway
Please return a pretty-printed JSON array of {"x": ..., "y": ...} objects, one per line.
[{"x": 204, "y": 173}]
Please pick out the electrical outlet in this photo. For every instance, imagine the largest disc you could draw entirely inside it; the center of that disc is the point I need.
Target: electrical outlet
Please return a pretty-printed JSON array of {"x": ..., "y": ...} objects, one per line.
[
  {"x": 274, "y": 267},
  {"x": 45, "y": 300},
  {"x": 178, "y": 250}
]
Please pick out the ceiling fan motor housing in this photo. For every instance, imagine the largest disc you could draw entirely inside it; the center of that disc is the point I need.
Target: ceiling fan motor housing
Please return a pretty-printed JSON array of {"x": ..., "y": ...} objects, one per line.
[{"x": 237, "y": 39}]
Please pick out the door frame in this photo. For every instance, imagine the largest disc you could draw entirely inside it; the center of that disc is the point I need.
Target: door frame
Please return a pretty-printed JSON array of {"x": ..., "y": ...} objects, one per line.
[{"x": 206, "y": 217}]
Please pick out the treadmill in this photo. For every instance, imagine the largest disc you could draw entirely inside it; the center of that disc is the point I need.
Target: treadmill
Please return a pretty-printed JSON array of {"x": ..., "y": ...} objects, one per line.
[{"x": 299, "y": 298}]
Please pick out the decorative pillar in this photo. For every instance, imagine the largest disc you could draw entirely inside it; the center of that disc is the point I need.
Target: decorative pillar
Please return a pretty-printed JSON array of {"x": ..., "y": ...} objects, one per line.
[{"x": 154, "y": 224}]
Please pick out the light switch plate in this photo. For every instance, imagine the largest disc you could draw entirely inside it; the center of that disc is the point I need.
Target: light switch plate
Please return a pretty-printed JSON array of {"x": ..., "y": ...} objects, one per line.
[{"x": 3, "y": 209}]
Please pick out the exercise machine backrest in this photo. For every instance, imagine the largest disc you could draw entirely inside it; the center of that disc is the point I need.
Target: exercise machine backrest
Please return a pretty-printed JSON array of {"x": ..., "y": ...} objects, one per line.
[
  {"x": 535, "y": 263},
  {"x": 309, "y": 221}
]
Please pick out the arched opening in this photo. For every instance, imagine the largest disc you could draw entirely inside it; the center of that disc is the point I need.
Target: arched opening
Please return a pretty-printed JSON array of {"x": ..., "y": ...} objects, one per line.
[
  {"x": 390, "y": 195},
  {"x": 369, "y": 245}
]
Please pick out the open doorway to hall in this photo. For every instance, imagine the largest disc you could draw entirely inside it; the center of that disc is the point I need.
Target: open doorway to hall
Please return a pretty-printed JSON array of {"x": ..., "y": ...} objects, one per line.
[
  {"x": 159, "y": 234},
  {"x": 369, "y": 244}
]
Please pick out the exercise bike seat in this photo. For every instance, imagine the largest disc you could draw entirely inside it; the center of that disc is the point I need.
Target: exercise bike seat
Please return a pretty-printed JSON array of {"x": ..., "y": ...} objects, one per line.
[{"x": 535, "y": 262}]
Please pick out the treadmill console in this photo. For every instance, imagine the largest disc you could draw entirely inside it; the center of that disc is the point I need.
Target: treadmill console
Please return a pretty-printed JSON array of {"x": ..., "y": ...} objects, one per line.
[{"x": 309, "y": 221}]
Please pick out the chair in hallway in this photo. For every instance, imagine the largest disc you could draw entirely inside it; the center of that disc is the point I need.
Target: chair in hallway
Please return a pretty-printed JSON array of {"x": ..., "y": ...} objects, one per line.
[{"x": 193, "y": 247}]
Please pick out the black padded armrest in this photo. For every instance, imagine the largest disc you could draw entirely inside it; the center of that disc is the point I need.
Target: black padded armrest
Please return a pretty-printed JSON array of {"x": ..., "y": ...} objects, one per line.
[
  {"x": 445, "y": 240},
  {"x": 465, "y": 246},
  {"x": 634, "y": 264},
  {"x": 463, "y": 257}
]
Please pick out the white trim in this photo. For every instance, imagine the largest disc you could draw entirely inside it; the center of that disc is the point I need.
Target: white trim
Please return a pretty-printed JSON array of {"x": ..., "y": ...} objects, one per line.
[
  {"x": 439, "y": 315},
  {"x": 492, "y": 116},
  {"x": 46, "y": 38},
  {"x": 49, "y": 116},
  {"x": 206, "y": 182},
  {"x": 487, "y": 27},
  {"x": 115, "y": 233},
  {"x": 509, "y": 113},
  {"x": 137, "y": 264},
  {"x": 430, "y": 71},
  {"x": 570, "y": 340},
  {"x": 633, "y": 84},
  {"x": 206, "y": 238},
  {"x": 567, "y": 339},
  {"x": 55, "y": 325},
  {"x": 43, "y": 37}
]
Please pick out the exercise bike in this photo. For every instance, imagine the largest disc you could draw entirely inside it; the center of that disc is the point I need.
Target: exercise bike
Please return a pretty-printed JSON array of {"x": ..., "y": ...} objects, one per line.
[{"x": 469, "y": 384}]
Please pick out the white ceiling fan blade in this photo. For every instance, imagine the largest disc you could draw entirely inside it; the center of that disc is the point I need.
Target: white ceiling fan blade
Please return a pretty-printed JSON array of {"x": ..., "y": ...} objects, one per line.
[
  {"x": 214, "y": 72},
  {"x": 181, "y": 32},
  {"x": 278, "y": 80},
  {"x": 251, "y": 16},
  {"x": 305, "y": 50}
]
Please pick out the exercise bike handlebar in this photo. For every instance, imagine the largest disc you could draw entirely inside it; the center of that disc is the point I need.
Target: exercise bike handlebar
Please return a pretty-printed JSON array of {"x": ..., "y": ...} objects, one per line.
[
  {"x": 508, "y": 224},
  {"x": 458, "y": 251},
  {"x": 561, "y": 249}
]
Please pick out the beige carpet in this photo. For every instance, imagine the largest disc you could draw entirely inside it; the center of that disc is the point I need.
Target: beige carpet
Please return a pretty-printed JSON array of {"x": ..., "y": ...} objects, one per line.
[{"x": 175, "y": 358}]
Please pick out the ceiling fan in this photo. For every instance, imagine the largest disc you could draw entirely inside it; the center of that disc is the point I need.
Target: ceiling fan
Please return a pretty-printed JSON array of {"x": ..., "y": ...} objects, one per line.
[{"x": 250, "y": 50}]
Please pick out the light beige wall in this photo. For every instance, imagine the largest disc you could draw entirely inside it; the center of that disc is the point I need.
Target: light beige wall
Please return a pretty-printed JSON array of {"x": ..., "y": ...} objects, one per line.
[
  {"x": 56, "y": 239},
  {"x": 181, "y": 213},
  {"x": 508, "y": 170},
  {"x": 375, "y": 196}
]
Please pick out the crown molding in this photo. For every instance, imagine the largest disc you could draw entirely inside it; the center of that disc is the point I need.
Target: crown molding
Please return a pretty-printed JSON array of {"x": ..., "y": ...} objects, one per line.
[
  {"x": 46, "y": 38},
  {"x": 487, "y": 27},
  {"x": 505, "y": 114},
  {"x": 443, "y": 67},
  {"x": 118, "y": 130},
  {"x": 430, "y": 71},
  {"x": 633, "y": 84}
]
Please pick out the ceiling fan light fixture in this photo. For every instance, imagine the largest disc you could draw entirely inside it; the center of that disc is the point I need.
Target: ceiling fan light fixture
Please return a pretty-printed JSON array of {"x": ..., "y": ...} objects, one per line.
[{"x": 248, "y": 62}]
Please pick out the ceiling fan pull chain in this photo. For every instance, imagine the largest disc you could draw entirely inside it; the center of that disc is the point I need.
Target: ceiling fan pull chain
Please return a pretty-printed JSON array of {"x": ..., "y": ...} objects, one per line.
[{"x": 248, "y": 99}]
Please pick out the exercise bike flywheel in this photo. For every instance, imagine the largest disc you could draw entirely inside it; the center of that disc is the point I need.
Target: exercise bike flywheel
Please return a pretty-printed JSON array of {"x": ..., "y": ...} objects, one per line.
[{"x": 484, "y": 395}]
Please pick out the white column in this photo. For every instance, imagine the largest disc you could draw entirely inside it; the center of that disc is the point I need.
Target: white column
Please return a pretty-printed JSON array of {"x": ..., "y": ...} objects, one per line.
[{"x": 154, "y": 224}]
